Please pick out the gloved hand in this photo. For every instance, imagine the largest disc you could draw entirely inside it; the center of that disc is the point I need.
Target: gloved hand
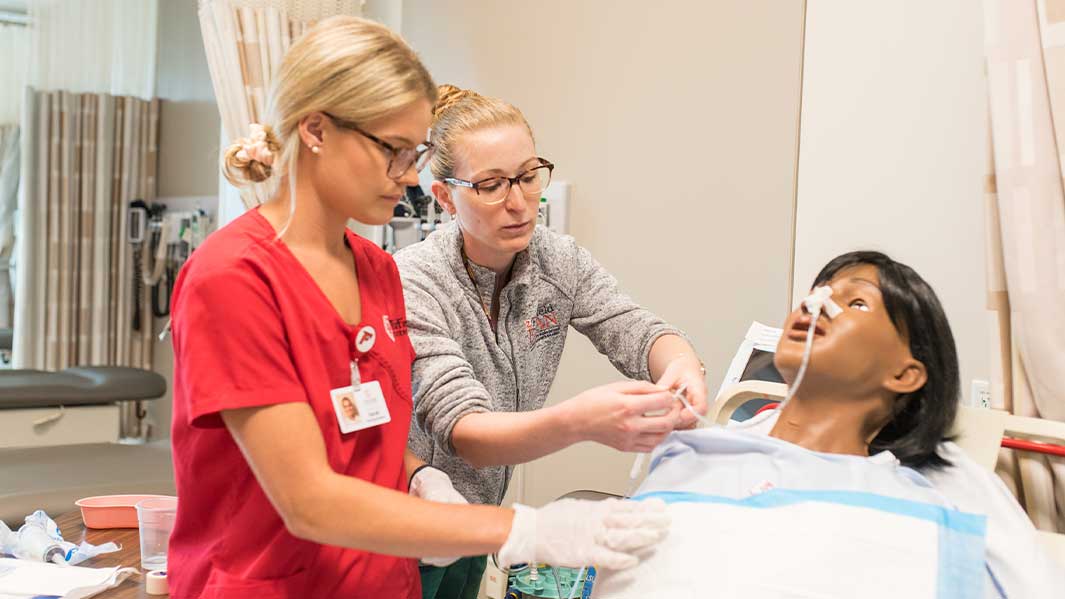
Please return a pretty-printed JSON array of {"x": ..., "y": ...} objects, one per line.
[
  {"x": 432, "y": 484},
  {"x": 574, "y": 533}
]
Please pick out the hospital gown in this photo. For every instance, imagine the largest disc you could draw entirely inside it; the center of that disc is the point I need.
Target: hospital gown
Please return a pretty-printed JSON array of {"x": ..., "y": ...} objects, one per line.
[
  {"x": 855, "y": 511},
  {"x": 1022, "y": 568}
]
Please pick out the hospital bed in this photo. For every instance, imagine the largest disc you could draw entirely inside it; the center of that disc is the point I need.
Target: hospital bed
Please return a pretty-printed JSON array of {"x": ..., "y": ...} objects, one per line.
[
  {"x": 59, "y": 438},
  {"x": 72, "y": 406},
  {"x": 980, "y": 432}
]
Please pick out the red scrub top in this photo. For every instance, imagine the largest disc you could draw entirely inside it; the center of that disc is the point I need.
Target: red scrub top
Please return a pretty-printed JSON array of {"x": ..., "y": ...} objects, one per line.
[{"x": 251, "y": 328}]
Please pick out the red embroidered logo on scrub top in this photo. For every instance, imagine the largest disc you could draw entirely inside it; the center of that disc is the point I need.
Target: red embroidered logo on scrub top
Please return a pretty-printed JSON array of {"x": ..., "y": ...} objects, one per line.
[
  {"x": 388, "y": 327},
  {"x": 398, "y": 326},
  {"x": 544, "y": 324}
]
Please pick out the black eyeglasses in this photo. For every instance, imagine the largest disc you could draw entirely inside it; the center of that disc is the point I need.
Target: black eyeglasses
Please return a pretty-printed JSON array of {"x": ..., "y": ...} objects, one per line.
[
  {"x": 494, "y": 190},
  {"x": 399, "y": 159}
]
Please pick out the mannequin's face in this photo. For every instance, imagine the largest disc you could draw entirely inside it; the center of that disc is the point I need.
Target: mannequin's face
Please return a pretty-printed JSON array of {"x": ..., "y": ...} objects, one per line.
[{"x": 859, "y": 350}]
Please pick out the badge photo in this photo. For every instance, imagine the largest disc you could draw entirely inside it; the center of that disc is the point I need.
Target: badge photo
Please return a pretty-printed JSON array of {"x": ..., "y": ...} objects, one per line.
[
  {"x": 361, "y": 409},
  {"x": 347, "y": 410}
]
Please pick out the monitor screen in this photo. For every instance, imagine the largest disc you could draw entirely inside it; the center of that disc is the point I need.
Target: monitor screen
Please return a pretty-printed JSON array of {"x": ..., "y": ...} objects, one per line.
[{"x": 760, "y": 367}]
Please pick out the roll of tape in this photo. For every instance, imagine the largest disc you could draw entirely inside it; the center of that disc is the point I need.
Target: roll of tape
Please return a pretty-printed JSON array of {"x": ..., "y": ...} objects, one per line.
[{"x": 155, "y": 583}]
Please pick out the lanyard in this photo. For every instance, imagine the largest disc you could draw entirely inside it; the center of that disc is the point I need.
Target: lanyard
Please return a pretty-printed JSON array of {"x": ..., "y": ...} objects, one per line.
[{"x": 356, "y": 378}]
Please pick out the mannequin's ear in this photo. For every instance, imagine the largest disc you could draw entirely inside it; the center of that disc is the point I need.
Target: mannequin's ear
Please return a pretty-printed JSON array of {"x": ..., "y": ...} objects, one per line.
[{"x": 909, "y": 377}]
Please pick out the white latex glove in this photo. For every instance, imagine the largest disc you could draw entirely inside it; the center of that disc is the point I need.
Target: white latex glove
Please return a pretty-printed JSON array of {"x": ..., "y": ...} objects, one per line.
[
  {"x": 432, "y": 484},
  {"x": 574, "y": 533}
]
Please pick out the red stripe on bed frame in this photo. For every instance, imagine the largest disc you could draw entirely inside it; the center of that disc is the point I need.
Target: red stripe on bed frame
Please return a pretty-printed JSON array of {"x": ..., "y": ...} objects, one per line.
[{"x": 1037, "y": 447}]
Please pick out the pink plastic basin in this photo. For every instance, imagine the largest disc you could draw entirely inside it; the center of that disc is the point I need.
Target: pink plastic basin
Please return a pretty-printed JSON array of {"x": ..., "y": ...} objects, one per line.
[{"x": 111, "y": 511}]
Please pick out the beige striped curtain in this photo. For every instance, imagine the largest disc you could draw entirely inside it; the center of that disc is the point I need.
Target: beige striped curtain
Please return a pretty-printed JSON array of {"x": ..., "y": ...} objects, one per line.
[
  {"x": 86, "y": 157},
  {"x": 9, "y": 177},
  {"x": 1025, "y": 47},
  {"x": 245, "y": 41},
  {"x": 15, "y": 53}
]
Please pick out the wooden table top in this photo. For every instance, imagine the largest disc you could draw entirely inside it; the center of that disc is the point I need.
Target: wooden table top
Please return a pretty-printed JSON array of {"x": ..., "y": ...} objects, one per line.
[{"x": 74, "y": 530}]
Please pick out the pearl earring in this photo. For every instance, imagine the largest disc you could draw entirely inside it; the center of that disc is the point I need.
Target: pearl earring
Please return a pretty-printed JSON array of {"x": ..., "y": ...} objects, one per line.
[{"x": 315, "y": 149}]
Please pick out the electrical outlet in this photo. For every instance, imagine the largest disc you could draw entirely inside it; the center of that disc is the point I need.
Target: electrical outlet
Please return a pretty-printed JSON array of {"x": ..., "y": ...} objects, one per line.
[{"x": 980, "y": 394}]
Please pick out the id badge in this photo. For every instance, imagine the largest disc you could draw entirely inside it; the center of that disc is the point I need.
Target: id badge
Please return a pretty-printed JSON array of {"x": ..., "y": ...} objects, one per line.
[{"x": 361, "y": 408}]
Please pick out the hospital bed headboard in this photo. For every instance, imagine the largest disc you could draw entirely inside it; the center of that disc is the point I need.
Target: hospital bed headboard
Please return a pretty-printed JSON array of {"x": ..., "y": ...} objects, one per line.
[
  {"x": 740, "y": 393},
  {"x": 980, "y": 432}
]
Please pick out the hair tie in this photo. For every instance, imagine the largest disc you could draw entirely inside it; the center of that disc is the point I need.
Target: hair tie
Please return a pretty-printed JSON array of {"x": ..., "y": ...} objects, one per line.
[{"x": 254, "y": 147}]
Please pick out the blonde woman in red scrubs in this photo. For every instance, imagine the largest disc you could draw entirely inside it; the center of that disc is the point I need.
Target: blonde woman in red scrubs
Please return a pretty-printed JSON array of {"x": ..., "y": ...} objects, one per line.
[{"x": 285, "y": 317}]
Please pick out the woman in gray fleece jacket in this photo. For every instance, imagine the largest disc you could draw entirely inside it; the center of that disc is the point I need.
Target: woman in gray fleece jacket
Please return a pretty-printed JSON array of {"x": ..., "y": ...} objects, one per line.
[{"x": 490, "y": 299}]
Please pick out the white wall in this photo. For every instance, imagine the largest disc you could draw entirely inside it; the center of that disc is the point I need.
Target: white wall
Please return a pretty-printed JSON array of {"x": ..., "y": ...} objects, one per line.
[
  {"x": 188, "y": 144},
  {"x": 189, "y": 121},
  {"x": 386, "y": 12},
  {"x": 893, "y": 150},
  {"x": 677, "y": 124}
]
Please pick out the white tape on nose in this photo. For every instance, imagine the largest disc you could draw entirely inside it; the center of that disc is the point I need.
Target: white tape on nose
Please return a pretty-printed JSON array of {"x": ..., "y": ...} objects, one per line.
[{"x": 821, "y": 299}]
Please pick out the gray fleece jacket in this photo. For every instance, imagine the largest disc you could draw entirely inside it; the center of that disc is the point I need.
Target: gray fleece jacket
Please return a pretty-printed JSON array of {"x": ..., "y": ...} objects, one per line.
[{"x": 463, "y": 367}]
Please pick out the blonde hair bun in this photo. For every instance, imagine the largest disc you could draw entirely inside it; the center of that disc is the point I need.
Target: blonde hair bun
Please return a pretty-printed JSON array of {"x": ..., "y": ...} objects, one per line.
[
  {"x": 241, "y": 168},
  {"x": 448, "y": 95}
]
